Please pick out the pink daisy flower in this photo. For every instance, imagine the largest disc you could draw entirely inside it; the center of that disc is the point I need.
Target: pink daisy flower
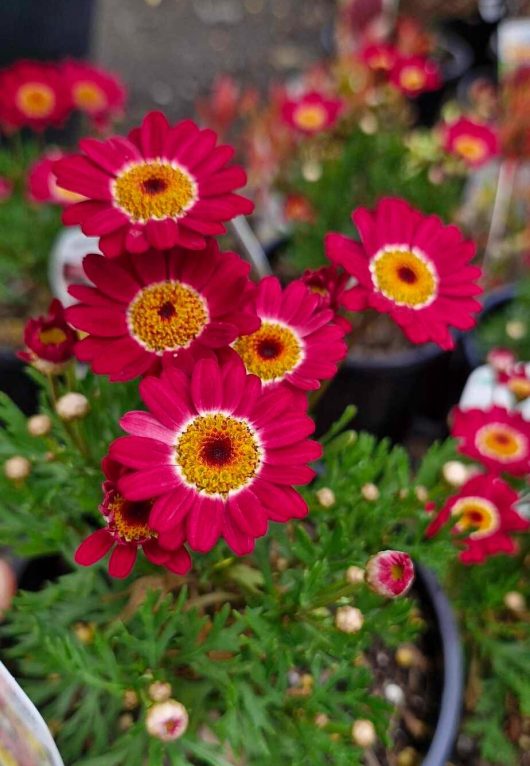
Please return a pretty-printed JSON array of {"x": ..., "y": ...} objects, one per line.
[
  {"x": 127, "y": 529},
  {"x": 484, "y": 508},
  {"x": 415, "y": 74},
  {"x": 380, "y": 57},
  {"x": 219, "y": 454},
  {"x": 410, "y": 266},
  {"x": 141, "y": 309},
  {"x": 473, "y": 142},
  {"x": 497, "y": 438},
  {"x": 390, "y": 573},
  {"x": 161, "y": 186},
  {"x": 501, "y": 359},
  {"x": 94, "y": 91},
  {"x": 42, "y": 183},
  {"x": 32, "y": 95},
  {"x": 311, "y": 113},
  {"x": 329, "y": 283},
  {"x": 297, "y": 342},
  {"x": 49, "y": 340}
]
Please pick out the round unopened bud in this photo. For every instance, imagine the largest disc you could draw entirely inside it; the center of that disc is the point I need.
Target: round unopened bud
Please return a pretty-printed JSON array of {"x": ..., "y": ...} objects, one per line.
[
  {"x": 72, "y": 406},
  {"x": 408, "y": 757},
  {"x": 515, "y": 329},
  {"x": 17, "y": 468},
  {"x": 355, "y": 575},
  {"x": 363, "y": 733},
  {"x": 84, "y": 632},
  {"x": 321, "y": 720},
  {"x": 130, "y": 699},
  {"x": 349, "y": 619},
  {"x": 403, "y": 493},
  {"x": 167, "y": 720},
  {"x": 406, "y": 656},
  {"x": 368, "y": 123},
  {"x": 455, "y": 473},
  {"x": 421, "y": 493},
  {"x": 394, "y": 694},
  {"x": 326, "y": 497},
  {"x": 39, "y": 425},
  {"x": 125, "y": 721},
  {"x": 370, "y": 492},
  {"x": 159, "y": 691},
  {"x": 515, "y": 602}
]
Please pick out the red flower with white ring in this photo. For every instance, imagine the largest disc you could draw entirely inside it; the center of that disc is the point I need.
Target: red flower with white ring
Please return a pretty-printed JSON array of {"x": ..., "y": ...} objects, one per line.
[
  {"x": 32, "y": 95},
  {"x": 96, "y": 92},
  {"x": 473, "y": 142},
  {"x": 218, "y": 454},
  {"x": 390, "y": 573},
  {"x": 497, "y": 438},
  {"x": 484, "y": 509},
  {"x": 411, "y": 266},
  {"x": 312, "y": 113},
  {"x": 49, "y": 340},
  {"x": 297, "y": 342},
  {"x": 142, "y": 309},
  {"x": 127, "y": 529},
  {"x": 414, "y": 75},
  {"x": 160, "y": 187}
]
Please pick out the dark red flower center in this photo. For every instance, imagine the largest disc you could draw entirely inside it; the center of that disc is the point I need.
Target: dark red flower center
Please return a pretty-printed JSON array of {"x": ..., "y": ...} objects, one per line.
[
  {"x": 172, "y": 725},
  {"x": 218, "y": 451},
  {"x": 268, "y": 348},
  {"x": 501, "y": 438},
  {"x": 475, "y": 516},
  {"x": 135, "y": 513},
  {"x": 408, "y": 275},
  {"x": 154, "y": 185},
  {"x": 167, "y": 310}
]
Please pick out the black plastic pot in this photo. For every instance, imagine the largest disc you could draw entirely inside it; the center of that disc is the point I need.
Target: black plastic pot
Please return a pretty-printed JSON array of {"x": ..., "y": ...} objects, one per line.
[
  {"x": 15, "y": 383},
  {"x": 496, "y": 301},
  {"x": 447, "y": 650}
]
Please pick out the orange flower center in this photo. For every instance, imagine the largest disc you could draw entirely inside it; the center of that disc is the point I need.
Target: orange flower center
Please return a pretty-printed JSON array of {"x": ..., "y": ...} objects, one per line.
[
  {"x": 218, "y": 453},
  {"x": 477, "y": 514},
  {"x": 88, "y": 96},
  {"x": 404, "y": 276},
  {"x": 310, "y": 116},
  {"x": 130, "y": 520},
  {"x": 502, "y": 442},
  {"x": 397, "y": 571},
  {"x": 412, "y": 78},
  {"x": 35, "y": 99},
  {"x": 271, "y": 352},
  {"x": 470, "y": 148},
  {"x": 520, "y": 388},
  {"x": 167, "y": 316},
  {"x": 52, "y": 336},
  {"x": 154, "y": 189}
]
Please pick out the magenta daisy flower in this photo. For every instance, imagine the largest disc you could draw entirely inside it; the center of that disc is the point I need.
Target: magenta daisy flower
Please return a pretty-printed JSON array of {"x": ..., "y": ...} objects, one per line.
[
  {"x": 127, "y": 529},
  {"x": 473, "y": 142},
  {"x": 390, "y": 573},
  {"x": 219, "y": 454},
  {"x": 312, "y": 113},
  {"x": 297, "y": 341},
  {"x": 161, "y": 186},
  {"x": 410, "y": 266},
  {"x": 141, "y": 309}
]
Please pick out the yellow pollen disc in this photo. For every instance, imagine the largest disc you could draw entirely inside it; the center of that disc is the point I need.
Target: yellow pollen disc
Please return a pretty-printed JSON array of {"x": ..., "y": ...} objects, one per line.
[
  {"x": 87, "y": 95},
  {"x": 310, "y": 116},
  {"x": 167, "y": 316},
  {"x": 271, "y": 352},
  {"x": 397, "y": 571},
  {"x": 130, "y": 520},
  {"x": 501, "y": 442},
  {"x": 404, "y": 277},
  {"x": 35, "y": 99},
  {"x": 412, "y": 78},
  {"x": 217, "y": 453},
  {"x": 154, "y": 189},
  {"x": 477, "y": 514},
  {"x": 53, "y": 336},
  {"x": 319, "y": 290},
  {"x": 470, "y": 148}
]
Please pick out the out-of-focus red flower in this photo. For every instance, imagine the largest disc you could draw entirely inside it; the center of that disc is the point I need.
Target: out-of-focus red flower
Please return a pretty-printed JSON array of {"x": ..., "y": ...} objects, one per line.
[
  {"x": 414, "y": 75},
  {"x": 299, "y": 209},
  {"x": 33, "y": 95},
  {"x": 412, "y": 39},
  {"x": 473, "y": 142},
  {"x": 312, "y": 113},
  {"x": 94, "y": 91}
]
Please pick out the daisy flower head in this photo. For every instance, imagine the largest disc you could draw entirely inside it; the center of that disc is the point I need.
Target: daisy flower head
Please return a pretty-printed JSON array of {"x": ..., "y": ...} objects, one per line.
[
  {"x": 217, "y": 453},
  {"x": 160, "y": 187},
  {"x": 497, "y": 438},
  {"x": 49, "y": 340},
  {"x": 142, "y": 309},
  {"x": 390, "y": 573},
  {"x": 127, "y": 529},
  {"x": 297, "y": 342},
  {"x": 32, "y": 95},
  {"x": 379, "y": 57},
  {"x": 412, "y": 267},
  {"x": 473, "y": 142},
  {"x": 42, "y": 183},
  {"x": 312, "y": 113},
  {"x": 484, "y": 511},
  {"x": 96, "y": 92},
  {"x": 414, "y": 75},
  {"x": 329, "y": 284}
]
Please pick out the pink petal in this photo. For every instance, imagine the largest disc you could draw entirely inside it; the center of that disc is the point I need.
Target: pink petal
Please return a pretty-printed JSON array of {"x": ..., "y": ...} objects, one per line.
[
  {"x": 122, "y": 560},
  {"x": 205, "y": 522},
  {"x": 94, "y": 547}
]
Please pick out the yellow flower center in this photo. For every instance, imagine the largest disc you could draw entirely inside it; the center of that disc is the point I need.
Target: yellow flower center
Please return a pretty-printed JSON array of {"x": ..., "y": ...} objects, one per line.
[
  {"x": 217, "y": 453},
  {"x": 87, "y": 95},
  {"x": 397, "y": 571},
  {"x": 381, "y": 60},
  {"x": 53, "y": 336},
  {"x": 271, "y": 352},
  {"x": 470, "y": 148},
  {"x": 500, "y": 441},
  {"x": 412, "y": 78},
  {"x": 35, "y": 99},
  {"x": 310, "y": 116},
  {"x": 130, "y": 520},
  {"x": 404, "y": 276},
  {"x": 154, "y": 189},
  {"x": 520, "y": 388},
  {"x": 167, "y": 316},
  {"x": 476, "y": 513}
]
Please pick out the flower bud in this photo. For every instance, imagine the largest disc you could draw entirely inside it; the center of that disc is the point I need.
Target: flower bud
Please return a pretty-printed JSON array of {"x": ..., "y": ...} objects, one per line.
[
  {"x": 84, "y": 632},
  {"x": 125, "y": 721},
  {"x": 515, "y": 602},
  {"x": 406, "y": 656},
  {"x": 326, "y": 497},
  {"x": 355, "y": 575},
  {"x": 455, "y": 473},
  {"x": 421, "y": 493},
  {"x": 321, "y": 720},
  {"x": 167, "y": 720},
  {"x": 130, "y": 699},
  {"x": 17, "y": 468},
  {"x": 72, "y": 406},
  {"x": 363, "y": 733},
  {"x": 390, "y": 573},
  {"x": 349, "y": 619},
  {"x": 159, "y": 691},
  {"x": 39, "y": 425},
  {"x": 370, "y": 492}
]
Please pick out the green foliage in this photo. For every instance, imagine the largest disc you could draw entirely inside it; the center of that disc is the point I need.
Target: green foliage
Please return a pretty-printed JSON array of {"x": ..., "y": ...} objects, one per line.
[{"x": 498, "y": 328}]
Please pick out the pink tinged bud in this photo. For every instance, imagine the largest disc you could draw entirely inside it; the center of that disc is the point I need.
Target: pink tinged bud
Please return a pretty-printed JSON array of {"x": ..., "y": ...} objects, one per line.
[
  {"x": 167, "y": 720},
  {"x": 349, "y": 619},
  {"x": 390, "y": 573}
]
